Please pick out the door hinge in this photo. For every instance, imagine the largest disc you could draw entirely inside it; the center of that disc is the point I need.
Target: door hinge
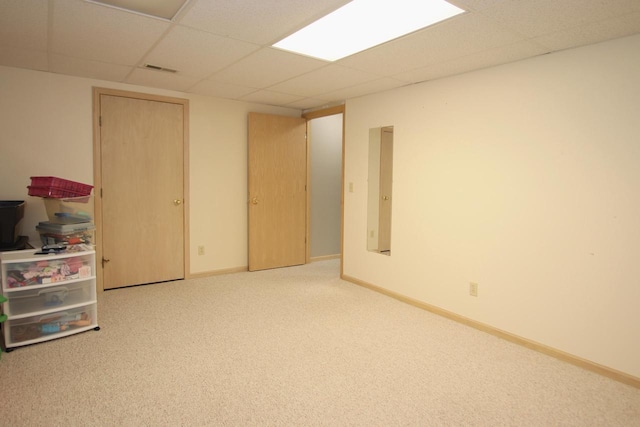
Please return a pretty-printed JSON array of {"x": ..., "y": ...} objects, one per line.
[
  {"x": 101, "y": 193},
  {"x": 99, "y": 120}
]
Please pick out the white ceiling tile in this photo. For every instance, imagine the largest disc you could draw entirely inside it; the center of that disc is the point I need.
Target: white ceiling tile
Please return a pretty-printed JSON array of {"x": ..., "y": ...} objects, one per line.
[
  {"x": 85, "y": 68},
  {"x": 620, "y": 26},
  {"x": 24, "y": 58},
  {"x": 222, "y": 90},
  {"x": 100, "y": 33},
  {"x": 488, "y": 58},
  {"x": 23, "y": 24},
  {"x": 267, "y": 67},
  {"x": 164, "y": 9},
  {"x": 263, "y": 22},
  {"x": 160, "y": 79},
  {"x": 308, "y": 103},
  {"x": 374, "y": 86},
  {"x": 327, "y": 79},
  {"x": 207, "y": 52},
  {"x": 539, "y": 17},
  {"x": 456, "y": 37},
  {"x": 476, "y": 4},
  {"x": 270, "y": 97}
]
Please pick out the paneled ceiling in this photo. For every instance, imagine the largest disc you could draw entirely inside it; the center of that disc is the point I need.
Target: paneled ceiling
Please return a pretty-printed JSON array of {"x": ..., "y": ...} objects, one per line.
[{"x": 222, "y": 48}]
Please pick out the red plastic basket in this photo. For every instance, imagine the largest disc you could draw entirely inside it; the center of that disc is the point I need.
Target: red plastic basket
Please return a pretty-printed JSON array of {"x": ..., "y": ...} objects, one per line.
[{"x": 51, "y": 186}]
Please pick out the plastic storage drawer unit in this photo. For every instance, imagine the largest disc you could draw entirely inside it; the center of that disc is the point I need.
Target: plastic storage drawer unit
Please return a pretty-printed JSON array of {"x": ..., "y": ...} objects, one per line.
[{"x": 48, "y": 295}]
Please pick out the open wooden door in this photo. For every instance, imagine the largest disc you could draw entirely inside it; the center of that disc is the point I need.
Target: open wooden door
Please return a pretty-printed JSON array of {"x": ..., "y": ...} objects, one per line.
[
  {"x": 141, "y": 149},
  {"x": 277, "y": 191}
]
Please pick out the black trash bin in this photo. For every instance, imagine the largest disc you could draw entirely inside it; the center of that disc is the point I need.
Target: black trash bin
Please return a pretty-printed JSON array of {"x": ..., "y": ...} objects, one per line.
[{"x": 11, "y": 212}]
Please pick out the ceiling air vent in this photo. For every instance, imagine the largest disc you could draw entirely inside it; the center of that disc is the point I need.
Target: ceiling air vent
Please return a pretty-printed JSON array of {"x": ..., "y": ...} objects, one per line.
[{"x": 159, "y": 68}]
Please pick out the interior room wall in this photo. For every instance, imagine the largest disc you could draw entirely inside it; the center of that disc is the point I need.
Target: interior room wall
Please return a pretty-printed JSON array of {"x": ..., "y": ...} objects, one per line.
[
  {"x": 46, "y": 129},
  {"x": 524, "y": 179},
  {"x": 326, "y": 185}
]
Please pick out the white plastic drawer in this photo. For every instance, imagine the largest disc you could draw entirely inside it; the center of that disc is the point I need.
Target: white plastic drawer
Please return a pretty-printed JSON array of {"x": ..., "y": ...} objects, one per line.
[
  {"x": 59, "y": 323},
  {"x": 47, "y": 271},
  {"x": 32, "y": 300}
]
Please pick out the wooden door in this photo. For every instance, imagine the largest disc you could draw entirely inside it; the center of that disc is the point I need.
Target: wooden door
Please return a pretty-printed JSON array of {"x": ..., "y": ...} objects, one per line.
[
  {"x": 142, "y": 182},
  {"x": 277, "y": 191},
  {"x": 386, "y": 184}
]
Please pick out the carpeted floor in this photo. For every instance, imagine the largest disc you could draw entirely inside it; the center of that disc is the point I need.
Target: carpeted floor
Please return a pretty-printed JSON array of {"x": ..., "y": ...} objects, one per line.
[{"x": 295, "y": 347}]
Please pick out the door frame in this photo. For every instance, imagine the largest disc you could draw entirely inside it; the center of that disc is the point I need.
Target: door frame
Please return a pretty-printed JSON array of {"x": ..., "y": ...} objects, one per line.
[
  {"x": 97, "y": 171},
  {"x": 330, "y": 111}
]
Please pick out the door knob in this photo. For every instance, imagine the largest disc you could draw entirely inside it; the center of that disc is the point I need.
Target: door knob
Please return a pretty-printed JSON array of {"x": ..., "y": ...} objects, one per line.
[
  {"x": 177, "y": 202},
  {"x": 385, "y": 197},
  {"x": 254, "y": 201}
]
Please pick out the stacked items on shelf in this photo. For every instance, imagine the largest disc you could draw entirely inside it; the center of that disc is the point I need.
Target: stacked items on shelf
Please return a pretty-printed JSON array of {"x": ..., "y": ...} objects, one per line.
[{"x": 69, "y": 207}]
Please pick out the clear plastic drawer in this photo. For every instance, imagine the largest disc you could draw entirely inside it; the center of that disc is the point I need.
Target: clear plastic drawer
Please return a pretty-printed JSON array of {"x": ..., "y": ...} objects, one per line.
[
  {"x": 48, "y": 271},
  {"x": 52, "y": 325},
  {"x": 36, "y": 300}
]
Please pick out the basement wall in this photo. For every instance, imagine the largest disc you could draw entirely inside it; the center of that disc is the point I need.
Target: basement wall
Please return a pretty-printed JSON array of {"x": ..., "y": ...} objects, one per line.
[
  {"x": 46, "y": 129},
  {"x": 523, "y": 178}
]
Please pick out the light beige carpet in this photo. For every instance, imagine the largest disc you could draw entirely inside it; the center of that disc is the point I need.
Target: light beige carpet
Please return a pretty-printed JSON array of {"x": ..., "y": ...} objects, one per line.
[{"x": 295, "y": 347}]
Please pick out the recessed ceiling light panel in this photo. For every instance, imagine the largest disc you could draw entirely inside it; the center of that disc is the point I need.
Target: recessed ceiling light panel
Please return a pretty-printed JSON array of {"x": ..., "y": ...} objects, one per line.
[
  {"x": 362, "y": 24},
  {"x": 164, "y": 9}
]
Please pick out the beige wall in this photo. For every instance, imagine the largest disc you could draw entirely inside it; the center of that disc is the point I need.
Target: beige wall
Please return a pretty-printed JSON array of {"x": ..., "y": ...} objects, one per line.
[
  {"x": 46, "y": 129},
  {"x": 524, "y": 178}
]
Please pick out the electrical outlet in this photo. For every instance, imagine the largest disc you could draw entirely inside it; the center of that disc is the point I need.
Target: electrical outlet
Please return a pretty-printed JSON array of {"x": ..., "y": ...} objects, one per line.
[
  {"x": 473, "y": 289},
  {"x": 200, "y": 250}
]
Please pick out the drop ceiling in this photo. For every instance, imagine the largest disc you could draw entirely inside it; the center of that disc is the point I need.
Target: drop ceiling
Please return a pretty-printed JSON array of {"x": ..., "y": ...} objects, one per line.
[{"x": 222, "y": 48}]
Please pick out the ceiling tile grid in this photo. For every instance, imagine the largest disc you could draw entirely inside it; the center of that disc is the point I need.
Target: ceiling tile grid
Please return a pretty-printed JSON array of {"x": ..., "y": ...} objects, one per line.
[
  {"x": 23, "y": 24},
  {"x": 456, "y": 37},
  {"x": 327, "y": 79},
  {"x": 308, "y": 103},
  {"x": 85, "y": 68},
  {"x": 379, "y": 85},
  {"x": 160, "y": 79},
  {"x": 620, "y": 26},
  {"x": 207, "y": 52},
  {"x": 222, "y": 48},
  {"x": 262, "y": 22},
  {"x": 266, "y": 68},
  {"x": 475, "y": 61},
  {"x": 24, "y": 58},
  {"x": 221, "y": 90},
  {"x": 270, "y": 97},
  {"x": 540, "y": 17},
  {"x": 90, "y": 31}
]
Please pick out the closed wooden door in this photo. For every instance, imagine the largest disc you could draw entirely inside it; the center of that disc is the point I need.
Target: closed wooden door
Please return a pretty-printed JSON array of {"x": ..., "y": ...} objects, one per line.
[
  {"x": 277, "y": 191},
  {"x": 142, "y": 181}
]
